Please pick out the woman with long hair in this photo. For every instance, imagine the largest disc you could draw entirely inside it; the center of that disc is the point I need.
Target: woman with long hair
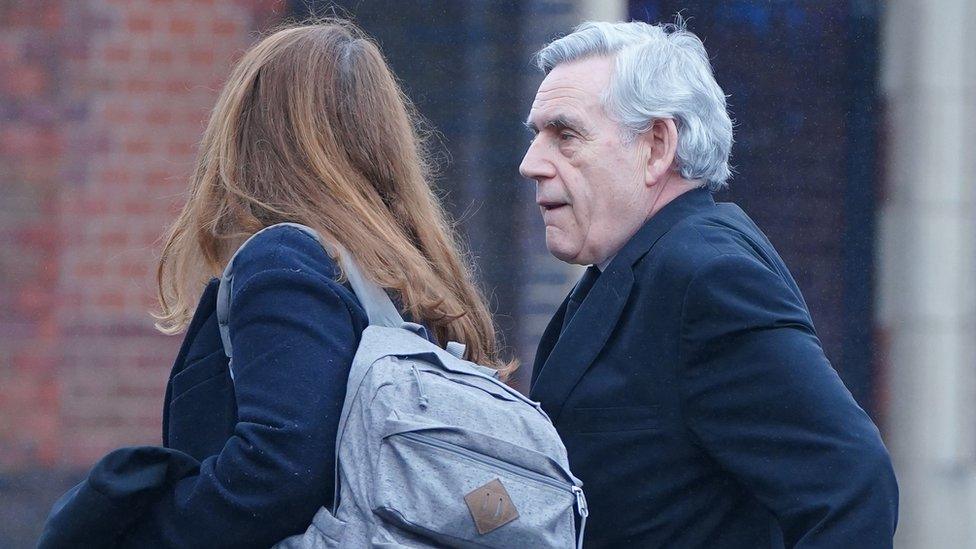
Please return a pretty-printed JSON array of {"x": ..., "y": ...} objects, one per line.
[{"x": 311, "y": 128}]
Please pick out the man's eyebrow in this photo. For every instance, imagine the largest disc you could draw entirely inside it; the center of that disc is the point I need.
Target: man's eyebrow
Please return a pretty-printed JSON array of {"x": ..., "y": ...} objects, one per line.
[
  {"x": 557, "y": 122},
  {"x": 562, "y": 121}
]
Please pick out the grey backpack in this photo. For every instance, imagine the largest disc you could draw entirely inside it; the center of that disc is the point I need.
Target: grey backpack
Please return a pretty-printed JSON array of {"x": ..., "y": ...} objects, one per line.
[{"x": 433, "y": 450}]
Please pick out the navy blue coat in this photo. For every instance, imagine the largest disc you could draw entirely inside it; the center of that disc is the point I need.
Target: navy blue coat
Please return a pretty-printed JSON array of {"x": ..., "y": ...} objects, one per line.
[
  {"x": 696, "y": 402},
  {"x": 246, "y": 462}
]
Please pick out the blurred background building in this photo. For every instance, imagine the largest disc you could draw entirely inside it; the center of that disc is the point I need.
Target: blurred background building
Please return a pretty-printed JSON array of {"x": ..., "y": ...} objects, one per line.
[{"x": 854, "y": 120}]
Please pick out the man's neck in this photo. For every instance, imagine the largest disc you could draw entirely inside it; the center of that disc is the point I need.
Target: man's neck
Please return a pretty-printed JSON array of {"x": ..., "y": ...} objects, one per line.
[{"x": 671, "y": 188}]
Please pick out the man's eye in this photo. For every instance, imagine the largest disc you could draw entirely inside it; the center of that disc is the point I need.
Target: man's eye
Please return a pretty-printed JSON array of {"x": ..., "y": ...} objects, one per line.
[{"x": 566, "y": 136}]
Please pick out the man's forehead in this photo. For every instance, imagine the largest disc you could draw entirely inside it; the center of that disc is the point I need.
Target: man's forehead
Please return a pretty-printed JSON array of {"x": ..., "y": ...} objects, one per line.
[
  {"x": 590, "y": 75},
  {"x": 562, "y": 94},
  {"x": 573, "y": 86}
]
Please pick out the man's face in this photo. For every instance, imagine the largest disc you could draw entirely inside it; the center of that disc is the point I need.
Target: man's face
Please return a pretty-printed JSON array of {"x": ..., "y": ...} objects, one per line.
[{"x": 589, "y": 183}]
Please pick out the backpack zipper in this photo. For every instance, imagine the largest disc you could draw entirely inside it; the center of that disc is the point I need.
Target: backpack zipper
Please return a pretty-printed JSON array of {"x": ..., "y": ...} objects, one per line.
[{"x": 487, "y": 460}]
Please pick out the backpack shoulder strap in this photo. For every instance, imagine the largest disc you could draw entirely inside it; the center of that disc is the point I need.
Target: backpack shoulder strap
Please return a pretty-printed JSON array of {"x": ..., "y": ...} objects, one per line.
[{"x": 379, "y": 307}]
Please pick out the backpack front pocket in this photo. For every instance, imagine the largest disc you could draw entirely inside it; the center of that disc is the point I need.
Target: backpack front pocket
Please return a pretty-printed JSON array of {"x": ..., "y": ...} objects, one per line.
[{"x": 466, "y": 489}]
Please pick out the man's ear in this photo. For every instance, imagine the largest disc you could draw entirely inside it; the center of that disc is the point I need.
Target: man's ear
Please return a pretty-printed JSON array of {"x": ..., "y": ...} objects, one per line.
[{"x": 661, "y": 141}]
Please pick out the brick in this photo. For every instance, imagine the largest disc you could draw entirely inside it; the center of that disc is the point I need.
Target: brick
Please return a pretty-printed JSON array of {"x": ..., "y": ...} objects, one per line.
[
  {"x": 49, "y": 267},
  {"x": 49, "y": 448},
  {"x": 118, "y": 54},
  {"x": 28, "y": 365},
  {"x": 177, "y": 87},
  {"x": 52, "y": 17},
  {"x": 137, "y": 147},
  {"x": 134, "y": 270},
  {"x": 138, "y": 207},
  {"x": 159, "y": 177},
  {"x": 93, "y": 206},
  {"x": 114, "y": 238},
  {"x": 224, "y": 29},
  {"x": 181, "y": 148},
  {"x": 116, "y": 176},
  {"x": 202, "y": 57},
  {"x": 9, "y": 49},
  {"x": 138, "y": 85},
  {"x": 33, "y": 301},
  {"x": 140, "y": 24},
  {"x": 181, "y": 26},
  {"x": 25, "y": 81},
  {"x": 18, "y": 16},
  {"x": 111, "y": 301},
  {"x": 159, "y": 116},
  {"x": 17, "y": 140},
  {"x": 43, "y": 237},
  {"x": 118, "y": 114},
  {"x": 90, "y": 269},
  {"x": 160, "y": 57}
]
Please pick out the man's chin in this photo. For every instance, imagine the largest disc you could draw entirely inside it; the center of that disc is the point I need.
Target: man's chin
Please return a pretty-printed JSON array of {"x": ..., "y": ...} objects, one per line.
[{"x": 564, "y": 255}]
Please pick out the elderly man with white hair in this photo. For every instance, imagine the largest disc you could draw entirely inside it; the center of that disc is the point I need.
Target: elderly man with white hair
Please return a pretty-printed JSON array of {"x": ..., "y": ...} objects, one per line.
[{"x": 683, "y": 371}]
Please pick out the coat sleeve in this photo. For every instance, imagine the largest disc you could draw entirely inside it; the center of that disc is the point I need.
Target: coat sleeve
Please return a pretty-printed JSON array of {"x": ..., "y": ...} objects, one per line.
[
  {"x": 294, "y": 340},
  {"x": 760, "y": 397},
  {"x": 98, "y": 510}
]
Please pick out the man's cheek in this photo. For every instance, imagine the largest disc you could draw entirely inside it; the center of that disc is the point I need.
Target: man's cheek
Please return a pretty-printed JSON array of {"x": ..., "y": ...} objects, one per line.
[{"x": 580, "y": 220}]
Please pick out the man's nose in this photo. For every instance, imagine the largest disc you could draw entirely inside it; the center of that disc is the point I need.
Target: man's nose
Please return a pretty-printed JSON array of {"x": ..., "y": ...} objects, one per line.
[{"x": 535, "y": 165}]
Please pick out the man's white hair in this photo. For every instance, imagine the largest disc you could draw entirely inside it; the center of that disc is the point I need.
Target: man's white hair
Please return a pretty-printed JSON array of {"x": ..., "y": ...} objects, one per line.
[{"x": 661, "y": 71}]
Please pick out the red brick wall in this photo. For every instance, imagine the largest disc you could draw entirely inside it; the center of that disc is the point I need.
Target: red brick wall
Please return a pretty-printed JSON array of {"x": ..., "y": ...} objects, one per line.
[{"x": 102, "y": 103}]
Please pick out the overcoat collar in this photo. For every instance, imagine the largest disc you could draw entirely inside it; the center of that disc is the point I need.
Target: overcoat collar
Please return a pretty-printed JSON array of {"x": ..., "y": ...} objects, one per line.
[{"x": 564, "y": 358}]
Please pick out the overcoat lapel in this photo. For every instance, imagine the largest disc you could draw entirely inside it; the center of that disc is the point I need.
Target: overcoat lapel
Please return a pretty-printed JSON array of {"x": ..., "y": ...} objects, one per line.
[
  {"x": 205, "y": 308},
  {"x": 548, "y": 341},
  {"x": 583, "y": 339},
  {"x": 579, "y": 344}
]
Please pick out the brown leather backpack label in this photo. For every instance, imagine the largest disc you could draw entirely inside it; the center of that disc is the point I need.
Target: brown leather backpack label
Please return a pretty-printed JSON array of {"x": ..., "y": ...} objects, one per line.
[{"x": 491, "y": 507}]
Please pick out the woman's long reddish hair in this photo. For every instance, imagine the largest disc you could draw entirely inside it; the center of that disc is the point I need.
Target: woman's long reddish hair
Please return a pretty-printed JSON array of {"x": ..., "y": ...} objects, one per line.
[{"x": 312, "y": 128}]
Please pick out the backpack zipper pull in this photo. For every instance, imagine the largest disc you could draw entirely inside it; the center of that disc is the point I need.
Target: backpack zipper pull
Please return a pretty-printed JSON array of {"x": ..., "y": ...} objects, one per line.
[
  {"x": 422, "y": 400},
  {"x": 583, "y": 513}
]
